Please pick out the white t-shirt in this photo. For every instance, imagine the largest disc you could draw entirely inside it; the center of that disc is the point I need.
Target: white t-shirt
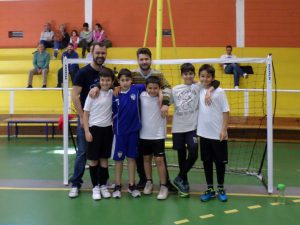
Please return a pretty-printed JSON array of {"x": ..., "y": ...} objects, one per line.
[
  {"x": 210, "y": 117},
  {"x": 186, "y": 104},
  {"x": 100, "y": 109},
  {"x": 227, "y": 57},
  {"x": 153, "y": 125}
]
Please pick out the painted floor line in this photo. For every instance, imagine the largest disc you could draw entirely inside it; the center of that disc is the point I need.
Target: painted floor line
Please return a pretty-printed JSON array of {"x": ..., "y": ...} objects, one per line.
[
  {"x": 296, "y": 200},
  {"x": 254, "y": 207},
  {"x": 274, "y": 203},
  {"x": 181, "y": 221},
  {"x": 231, "y": 211},
  {"x": 206, "y": 216}
]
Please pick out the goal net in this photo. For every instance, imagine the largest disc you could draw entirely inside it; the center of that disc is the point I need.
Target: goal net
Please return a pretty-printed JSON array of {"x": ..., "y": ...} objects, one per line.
[{"x": 250, "y": 144}]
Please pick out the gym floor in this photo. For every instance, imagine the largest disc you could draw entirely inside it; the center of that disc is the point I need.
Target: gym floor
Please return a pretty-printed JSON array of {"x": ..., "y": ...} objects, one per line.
[{"x": 32, "y": 193}]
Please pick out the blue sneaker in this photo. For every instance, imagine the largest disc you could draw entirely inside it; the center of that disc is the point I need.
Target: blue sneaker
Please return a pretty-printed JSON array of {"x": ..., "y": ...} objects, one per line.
[
  {"x": 222, "y": 195},
  {"x": 208, "y": 195},
  {"x": 181, "y": 187}
]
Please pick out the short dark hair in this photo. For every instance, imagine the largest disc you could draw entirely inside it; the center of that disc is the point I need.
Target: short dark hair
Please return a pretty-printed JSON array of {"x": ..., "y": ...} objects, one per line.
[
  {"x": 85, "y": 25},
  {"x": 124, "y": 72},
  {"x": 107, "y": 72},
  {"x": 144, "y": 51},
  {"x": 187, "y": 67},
  {"x": 153, "y": 80},
  {"x": 71, "y": 44},
  {"x": 100, "y": 44},
  {"x": 209, "y": 69},
  {"x": 228, "y": 46},
  {"x": 99, "y": 25},
  {"x": 76, "y": 32}
]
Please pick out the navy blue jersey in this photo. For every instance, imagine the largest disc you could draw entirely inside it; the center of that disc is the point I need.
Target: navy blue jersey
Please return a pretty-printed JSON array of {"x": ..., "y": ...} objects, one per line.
[
  {"x": 126, "y": 110},
  {"x": 86, "y": 78}
]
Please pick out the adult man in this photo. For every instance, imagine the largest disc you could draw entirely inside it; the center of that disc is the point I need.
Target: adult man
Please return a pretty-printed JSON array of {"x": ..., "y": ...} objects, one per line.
[
  {"x": 73, "y": 68},
  {"x": 41, "y": 60},
  {"x": 84, "y": 80},
  {"x": 234, "y": 68}
]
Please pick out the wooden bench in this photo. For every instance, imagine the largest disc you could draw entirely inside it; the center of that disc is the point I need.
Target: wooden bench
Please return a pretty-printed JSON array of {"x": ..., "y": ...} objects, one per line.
[{"x": 48, "y": 121}]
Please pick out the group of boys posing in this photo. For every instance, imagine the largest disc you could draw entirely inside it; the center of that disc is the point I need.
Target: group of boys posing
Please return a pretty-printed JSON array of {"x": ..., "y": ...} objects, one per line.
[{"x": 129, "y": 121}]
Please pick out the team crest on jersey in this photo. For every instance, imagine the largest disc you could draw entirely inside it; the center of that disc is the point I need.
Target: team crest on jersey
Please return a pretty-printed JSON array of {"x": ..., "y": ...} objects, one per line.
[
  {"x": 120, "y": 154},
  {"x": 133, "y": 96}
]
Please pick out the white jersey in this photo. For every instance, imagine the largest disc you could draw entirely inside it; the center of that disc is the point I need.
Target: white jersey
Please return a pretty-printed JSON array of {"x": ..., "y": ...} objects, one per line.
[
  {"x": 153, "y": 125},
  {"x": 210, "y": 118},
  {"x": 227, "y": 57},
  {"x": 186, "y": 104},
  {"x": 100, "y": 109}
]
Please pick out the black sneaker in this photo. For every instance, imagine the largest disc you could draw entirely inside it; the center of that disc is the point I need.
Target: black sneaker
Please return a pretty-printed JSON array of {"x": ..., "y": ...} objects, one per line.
[
  {"x": 29, "y": 86},
  {"x": 141, "y": 184},
  {"x": 44, "y": 86},
  {"x": 132, "y": 189}
]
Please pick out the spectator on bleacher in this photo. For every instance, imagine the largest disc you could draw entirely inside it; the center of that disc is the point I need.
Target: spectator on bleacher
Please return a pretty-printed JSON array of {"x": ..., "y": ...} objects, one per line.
[
  {"x": 74, "y": 39},
  {"x": 47, "y": 36},
  {"x": 41, "y": 60},
  {"x": 61, "y": 40},
  {"x": 233, "y": 68},
  {"x": 85, "y": 39},
  {"x": 99, "y": 35},
  {"x": 73, "y": 68}
]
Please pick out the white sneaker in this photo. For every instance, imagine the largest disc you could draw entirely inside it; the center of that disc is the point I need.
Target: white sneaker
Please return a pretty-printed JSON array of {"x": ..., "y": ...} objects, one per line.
[
  {"x": 245, "y": 75},
  {"x": 104, "y": 191},
  {"x": 96, "y": 193},
  {"x": 74, "y": 192},
  {"x": 134, "y": 192},
  {"x": 148, "y": 188},
  {"x": 163, "y": 193},
  {"x": 117, "y": 192},
  {"x": 236, "y": 87}
]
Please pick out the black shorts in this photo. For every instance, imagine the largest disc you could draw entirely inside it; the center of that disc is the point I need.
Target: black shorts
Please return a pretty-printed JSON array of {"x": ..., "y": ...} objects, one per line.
[
  {"x": 100, "y": 147},
  {"x": 213, "y": 150},
  {"x": 186, "y": 139},
  {"x": 155, "y": 147}
]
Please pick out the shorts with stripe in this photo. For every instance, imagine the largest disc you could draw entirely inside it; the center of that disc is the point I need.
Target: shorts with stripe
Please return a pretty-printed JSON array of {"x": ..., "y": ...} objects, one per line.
[
  {"x": 125, "y": 145},
  {"x": 214, "y": 150},
  {"x": 100, "y": 147},
  {"x": 152, "y": 147}
]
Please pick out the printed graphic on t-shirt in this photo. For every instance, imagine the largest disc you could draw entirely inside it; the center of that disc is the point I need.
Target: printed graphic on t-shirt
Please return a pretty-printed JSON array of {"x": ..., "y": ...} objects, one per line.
[{"x": 185, "y": 101}]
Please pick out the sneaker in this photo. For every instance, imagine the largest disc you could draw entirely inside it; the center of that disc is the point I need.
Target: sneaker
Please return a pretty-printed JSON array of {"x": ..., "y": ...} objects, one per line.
[
  {"x": 186, "y": 189},
  {"x": 58, "y": 86},
  {"x": 208, "y": 195},
  {"x": 29, "y": 86},
  {"x": 245, "y": 75},
  {"x": 117, "y": 192},
  {"x": 236, "y": 87},
  {"x": 141, "y": 184},
  {"x": 96, "y": 193},
  {"x": 44, "y": 86},
  {"x": 104, "y": 191},
  {"x": 148, "y": 188},
  {"x": 163, "y": 193},
  {"x": 74, "y": 192},
  {"x": 182, "y": 189},
  {"x": 222, "y": 195},
  {"x": 132, "y": 189},
  {"x": 171, "y": 187}
]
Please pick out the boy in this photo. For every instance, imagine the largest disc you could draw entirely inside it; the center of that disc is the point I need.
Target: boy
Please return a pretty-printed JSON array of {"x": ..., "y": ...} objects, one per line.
[
  {"x": 152, "y": 136},
  {"x": 126, "y": 124},
  {"x": 97, "y": 120},
  {"x": 212, "y": 129},
  {"x": 185, "y": 98}
]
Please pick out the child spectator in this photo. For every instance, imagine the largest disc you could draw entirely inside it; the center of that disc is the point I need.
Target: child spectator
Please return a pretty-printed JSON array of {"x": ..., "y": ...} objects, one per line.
[
  {"x": 41, "y": 60},
  {"x": 47, "y": 36},
  {"x": 99, "y": 35},
  {"x": 186, "y": 103},
  {"x": 85, "y": 39},
  {"x": 97, "y": 119},
  {"x": 234, "y": 68},
  {"x": 74, "y": 39},
  {"x": 61, "y": 40},
  {"x": 212, "y": 129},
  {"x": 126, "y": 124},
  {"x": 73, "y": 68},
  {"x": 152, "y": 136}
]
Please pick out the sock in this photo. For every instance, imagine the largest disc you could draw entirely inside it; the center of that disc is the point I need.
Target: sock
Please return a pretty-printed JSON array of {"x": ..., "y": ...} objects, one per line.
[
  {"x": 103, "y": 175},
  {"x": 208, "y": 169},
  {"x": 94, "y": 175}
]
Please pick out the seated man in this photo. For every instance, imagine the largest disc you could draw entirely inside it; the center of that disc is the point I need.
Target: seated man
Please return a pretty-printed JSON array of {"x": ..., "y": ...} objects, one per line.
[
  {"x": 73, "y": 68},
  {"x": 234, "y": 68},
  {"x": 41, "y": 60}
]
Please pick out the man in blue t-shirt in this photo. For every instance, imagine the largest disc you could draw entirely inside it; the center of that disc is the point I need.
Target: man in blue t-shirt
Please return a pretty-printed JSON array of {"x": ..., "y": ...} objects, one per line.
[
  {"x": 85, "y": 78},
  {"x": 73, "y": 68}
]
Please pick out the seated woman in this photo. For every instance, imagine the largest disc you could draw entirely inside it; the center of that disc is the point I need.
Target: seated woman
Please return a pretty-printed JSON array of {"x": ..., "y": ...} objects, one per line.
[
  {"x": 47, "y": 36},
  {"x": 61, "y": 40}
]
